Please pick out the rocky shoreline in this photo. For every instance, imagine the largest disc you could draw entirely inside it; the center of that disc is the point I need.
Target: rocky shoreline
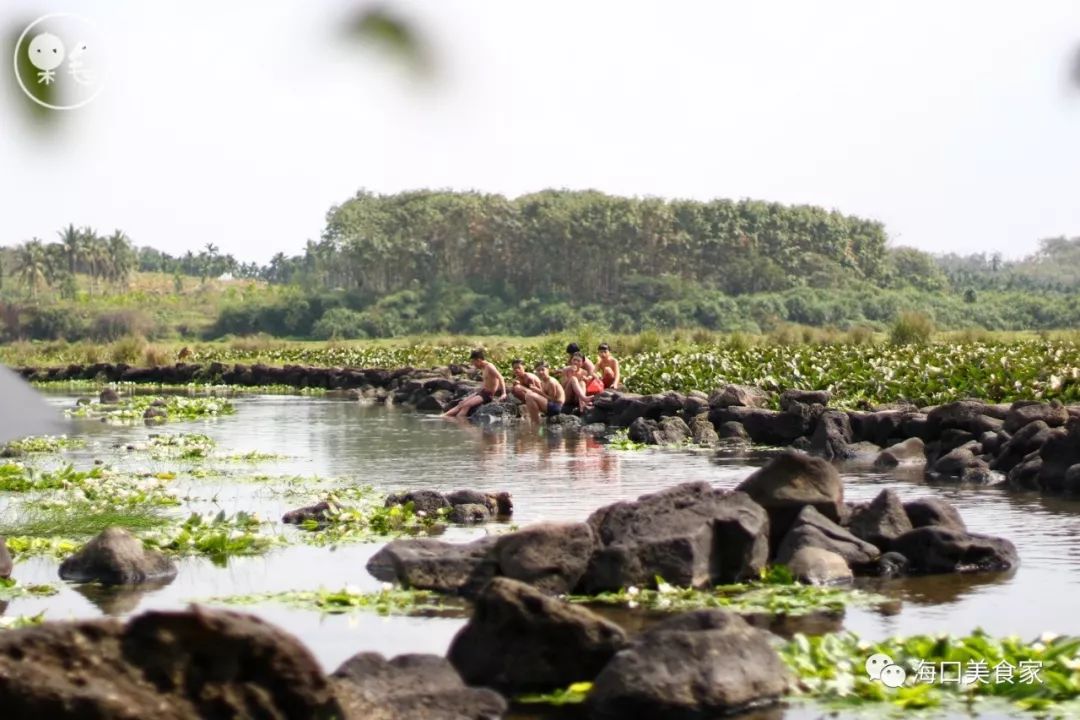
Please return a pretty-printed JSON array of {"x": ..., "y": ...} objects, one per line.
[{"x": 1025, "y": 445}]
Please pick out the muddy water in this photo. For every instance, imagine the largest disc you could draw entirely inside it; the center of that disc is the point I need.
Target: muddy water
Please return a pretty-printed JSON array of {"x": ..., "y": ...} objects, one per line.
[{"x": 552, "y": 478}]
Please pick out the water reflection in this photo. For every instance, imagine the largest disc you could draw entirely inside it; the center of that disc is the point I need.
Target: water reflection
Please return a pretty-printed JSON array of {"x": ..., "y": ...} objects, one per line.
[
  {"x": 936, "y": 589},
  {"x": 117, "y": 600}
]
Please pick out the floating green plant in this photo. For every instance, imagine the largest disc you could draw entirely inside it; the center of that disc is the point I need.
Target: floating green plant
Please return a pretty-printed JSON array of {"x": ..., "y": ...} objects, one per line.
[
  {"x": 620, "y": 440},
  {"x": 939, "y": 671},
  {"x": 218, "y": 538},
  {"x": 175, "y": 407},
  {"x": 23, "y": 546},
  {"x": 572, "y": 695},
  {"x": 773, "y": 596},
  {"x": 40, "y": 444},
  {"x": 21, "y": 621},
  {"x": 11, "y": 589},
  {"x": 359, "y": 515},
  {"x": 387, "y": 601}
]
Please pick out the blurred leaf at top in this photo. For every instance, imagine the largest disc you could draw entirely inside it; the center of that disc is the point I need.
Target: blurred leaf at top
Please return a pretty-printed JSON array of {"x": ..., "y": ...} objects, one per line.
[
  {"x": 379, "y": 27},
  {"x": 39, "y": 116},
  {"x": 1074, "y": 68}
]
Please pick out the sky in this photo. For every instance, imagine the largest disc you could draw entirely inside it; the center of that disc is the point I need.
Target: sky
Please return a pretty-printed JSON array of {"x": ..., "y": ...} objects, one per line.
[{"x": 242, "y": 123}]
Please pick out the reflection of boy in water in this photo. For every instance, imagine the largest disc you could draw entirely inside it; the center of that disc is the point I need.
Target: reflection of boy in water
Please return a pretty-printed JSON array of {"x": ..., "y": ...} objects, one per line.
[{"x": 494, "y": 386}]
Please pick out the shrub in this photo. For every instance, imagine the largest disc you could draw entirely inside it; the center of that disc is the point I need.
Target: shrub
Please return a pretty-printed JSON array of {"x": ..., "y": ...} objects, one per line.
[
  {"x": 340, "y": 323},
  {"x": 154, "y": 356},
  {"x": 116, "y": 324},
  {"x": 127, "y": 349},
  {"x": 911, "y": 328}
]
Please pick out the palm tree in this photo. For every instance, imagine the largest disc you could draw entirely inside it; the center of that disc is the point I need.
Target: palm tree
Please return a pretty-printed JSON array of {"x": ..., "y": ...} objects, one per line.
[
  {"x": 121, "y": 257},
  {"x": 98, "y": 258},
  {"x": 32, "y": 265},
  {"x": 72, "y": 242}
]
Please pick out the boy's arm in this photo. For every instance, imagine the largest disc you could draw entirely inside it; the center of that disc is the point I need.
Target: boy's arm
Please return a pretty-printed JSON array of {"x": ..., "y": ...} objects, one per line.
[{"x": 615, "y": 370}]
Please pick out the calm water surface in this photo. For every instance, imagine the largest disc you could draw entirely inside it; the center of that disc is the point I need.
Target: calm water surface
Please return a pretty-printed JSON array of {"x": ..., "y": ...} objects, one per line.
[{"x": 552, "y": 477}]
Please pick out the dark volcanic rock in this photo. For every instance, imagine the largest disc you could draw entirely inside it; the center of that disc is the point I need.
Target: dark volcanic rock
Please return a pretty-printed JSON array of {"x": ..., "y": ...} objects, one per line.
[
  {"x": 108, "y": 396},
  {"x": 767, "y": 427},
  {"x": 701, "y": 664},
  {"x": 882, "y": 521},
  {"x": 427, "y": 564},
  {"x": 116, "y": 557},
  {"x": 941, "y": 550},
  {"x": 317, "y": 512},
  {"x": 1022, "y": 413},
  {"x": 549, "y": 556},
  {"x": 1028, "y": 439},
  {"x": 1060, "y": 452},
  {"x": 812, "y": 529},
  {"x": 961, "y": 465},
  {"x": 789, "y": 398},
  {"x": 790, "y": 482},
  {"x": 832, "y": 436},
  {"x": 689, "y": 535},
  {"x": 732, "y": 430},
  {"x": 205, "y": 664},
  {"x": 428, "y": 502},
  {"x": 674, "y": 430},
  {"x": 739, "y": 395},
  {"x": 933, "y": 512},
  {"x": 520, "y": 640},
  {"x": 968, "y": 415},
  {"x": 410, "y": 687},
  {"x": 703, "y": 432},
  {"x": 643, "y": 430},
  {"x": 469, "y": 514}
]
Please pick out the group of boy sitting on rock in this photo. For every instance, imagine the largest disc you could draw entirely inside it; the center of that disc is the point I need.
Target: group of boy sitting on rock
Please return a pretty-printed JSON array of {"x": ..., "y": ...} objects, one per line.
[{"x": 542, "y": 393}]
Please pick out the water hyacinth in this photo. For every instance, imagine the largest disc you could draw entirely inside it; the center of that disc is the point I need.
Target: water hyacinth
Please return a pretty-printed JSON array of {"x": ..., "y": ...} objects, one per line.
[
  {"x": 386, "y": 601},
  {"x": 175, "y": 407}
]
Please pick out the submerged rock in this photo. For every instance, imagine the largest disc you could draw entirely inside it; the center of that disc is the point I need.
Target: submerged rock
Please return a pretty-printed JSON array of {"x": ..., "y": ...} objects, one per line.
[
  {"x": 410, "y": 687},
  {"x": 701, "y": 664},
  {"x": 317, "y": 512},
  {"x": 469, "y": 514},
  {"x": 520, "y": 640},
  {"x": 163, "y": 665},
  {"x": 689, "y": 535},
  {"x": 817, "y": 566},
  {"x": 943, "y": 550},
  {"x": 116, "y": 557},
  {"x": 109, "y": 396},
  {"x": 427, "y": 564},
  {"x": 428, "y": 502},
  {"x": 882, "y": 521},
  {"x": 909, "y": 452}
]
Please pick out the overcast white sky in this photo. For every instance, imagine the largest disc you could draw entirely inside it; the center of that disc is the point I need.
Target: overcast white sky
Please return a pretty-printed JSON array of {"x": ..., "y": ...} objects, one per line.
[{"x": 242, "y": 123}]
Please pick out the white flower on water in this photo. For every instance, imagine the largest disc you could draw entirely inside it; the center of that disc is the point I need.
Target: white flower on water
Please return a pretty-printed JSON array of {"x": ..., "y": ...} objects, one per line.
[
  {"x": 632, "y": 604},
  {"x": 421, "y": 513},
  {"x": 1055, "y": 382},
  {"x": 1048, "y": 637},
  {"x": 663, "y": 588},
  {"x": 386, "y": 587},
  {"x": 353, "y": 590},
  {"x": 632, "y": 591}
]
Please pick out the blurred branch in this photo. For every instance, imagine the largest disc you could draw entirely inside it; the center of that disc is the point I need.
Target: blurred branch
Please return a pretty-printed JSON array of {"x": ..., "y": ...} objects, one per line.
[{"x": 379, "y": 27}]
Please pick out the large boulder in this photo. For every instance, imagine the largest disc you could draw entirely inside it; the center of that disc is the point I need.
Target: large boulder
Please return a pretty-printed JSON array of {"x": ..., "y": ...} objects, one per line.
[
  {"x": 1023, "y": 412},
  {"x": 880, "y": 428},
  {"x": 1060, "y": 452},
  {"x": 702, "y": 664},
  {"x": 520, "y": 640},
  {"x": 942, "y": 550},
  {"x": 428, "y": 564},
  {"x": 789, "y": 399},
  {"x": 812, "y": 529},
  {"x": 689, "y": 535},
  {"x": 496, "y": 413},
  {"x": 702, "y": 430},
  {"x": 410, "y": 687},
  {"x": 961, "y": 465},
  {"x": 767, "y": 427},
  {"x": 907, "y": 452},
  {"x": 934, "y": 512},
  {"x": 6, "y": 563},
  {"x": 199, "y": 663},
  {"x": 882, "y": 521},
  {"x": 674, "y": 430},
  {"x": 790, "y": 482},
  {"x": 968, "y": 415},
  {"x": 645, "y": 431},
  {"x": 1028, "y": 439},
  {"x": 832, "y": 436},
  {"x": 549, "y": 556},
  {"x": 116, "y": 557}
]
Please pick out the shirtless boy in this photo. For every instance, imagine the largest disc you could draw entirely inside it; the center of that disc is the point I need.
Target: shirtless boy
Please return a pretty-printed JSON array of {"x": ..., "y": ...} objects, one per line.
[
  {"x": 607, "y": 367},
  {"x": 523, "y": 380},
  {"x": 494, "y": 387},
  {"x": 548, "y": 399}
]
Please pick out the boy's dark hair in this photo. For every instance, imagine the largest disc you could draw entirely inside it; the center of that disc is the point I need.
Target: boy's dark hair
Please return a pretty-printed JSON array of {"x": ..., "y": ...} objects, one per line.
[
  {"x": 603, "y": 347},
  {"x": 477, "y": 354},
  {"x": 572, "y": 348},
  {"x": 541, "y": 365},
  {"x": 577, "y": 355},
  {"x": 517, "y": 361}
]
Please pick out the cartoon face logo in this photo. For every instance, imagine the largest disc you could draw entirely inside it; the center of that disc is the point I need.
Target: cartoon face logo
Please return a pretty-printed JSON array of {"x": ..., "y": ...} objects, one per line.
[
  {"x": 893, "y": 676},
  {"x": 46, "y": 53},
  {"x": 875, "y": 664}
]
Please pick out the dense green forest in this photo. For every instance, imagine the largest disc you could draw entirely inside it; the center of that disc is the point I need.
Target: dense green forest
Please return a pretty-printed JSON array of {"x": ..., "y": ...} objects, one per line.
[{"x": 462, "y": 262}]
